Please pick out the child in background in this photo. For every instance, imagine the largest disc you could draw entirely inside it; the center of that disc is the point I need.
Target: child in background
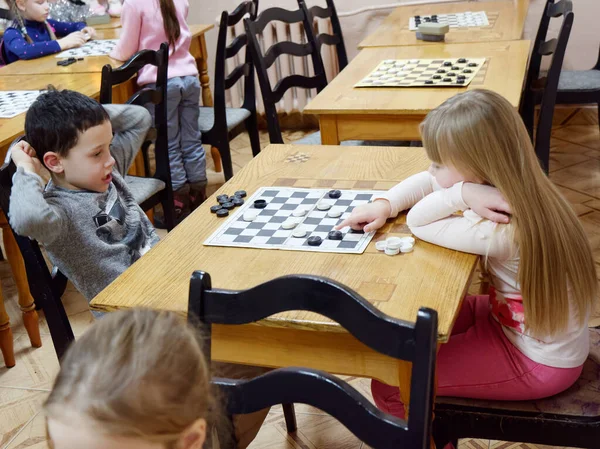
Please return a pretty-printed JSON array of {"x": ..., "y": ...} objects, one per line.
[
  {"x": 34, "y": 35},
  {"x": 527, "y": 339},
  {"x": 137, "y": 379},
  {"x": 147, "y": 24},
  {"x": 86, "y": 217}
]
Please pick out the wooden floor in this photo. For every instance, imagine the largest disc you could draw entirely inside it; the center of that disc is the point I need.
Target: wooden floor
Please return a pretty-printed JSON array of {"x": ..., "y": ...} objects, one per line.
[{"x": 575, "y": 168}]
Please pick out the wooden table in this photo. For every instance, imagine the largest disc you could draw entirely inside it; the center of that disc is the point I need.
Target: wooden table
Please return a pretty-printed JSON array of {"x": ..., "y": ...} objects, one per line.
[
  {"x": 507, "y": 19},
  {"x": 429, "y": 276},
  {"x": 348, "y": 113}
]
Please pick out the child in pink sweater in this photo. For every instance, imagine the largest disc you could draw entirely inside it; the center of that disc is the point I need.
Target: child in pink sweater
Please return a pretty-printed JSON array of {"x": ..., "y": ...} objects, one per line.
[{"x": 146, "y": 25}]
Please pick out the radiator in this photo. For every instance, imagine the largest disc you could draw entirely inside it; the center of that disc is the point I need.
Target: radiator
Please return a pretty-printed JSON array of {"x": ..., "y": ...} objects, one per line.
[{"x": 296, "y": 98}]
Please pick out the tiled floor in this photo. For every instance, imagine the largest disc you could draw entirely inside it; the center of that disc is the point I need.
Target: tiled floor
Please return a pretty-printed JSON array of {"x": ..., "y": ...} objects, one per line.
[{"x": 575, "y": 168}]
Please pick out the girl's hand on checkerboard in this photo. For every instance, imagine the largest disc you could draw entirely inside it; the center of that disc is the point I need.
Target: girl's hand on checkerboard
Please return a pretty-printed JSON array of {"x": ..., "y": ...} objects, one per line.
[
  {"x": 89, "y": 32},
  {"x": 368, "y": 217},
  {"x": 23, "y": 155},
  {"x": 73, "y": 40}
]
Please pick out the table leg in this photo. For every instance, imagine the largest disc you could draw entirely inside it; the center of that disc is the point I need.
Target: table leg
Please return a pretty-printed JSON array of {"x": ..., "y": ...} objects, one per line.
[
  {"x": 6, "y": 336},
  {"x": 207, "y": 99},
  {"x": 329, "y": 130},
  {"x": 26, "y": 303}
]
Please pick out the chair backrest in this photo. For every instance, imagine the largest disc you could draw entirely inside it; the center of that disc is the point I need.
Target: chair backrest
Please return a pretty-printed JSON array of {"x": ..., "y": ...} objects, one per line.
[
  {"x": 543, "y": 91},
  {"x": 6, "y": 14},
  {"x": 45, "y": 289},
  {"x": 272, "y": 95},
  {"x": 399, "y": 339},
  {"x": 156, "y": 96},
  {"x": 224, "y": 82},
  {"x": 337, "y": 38}
]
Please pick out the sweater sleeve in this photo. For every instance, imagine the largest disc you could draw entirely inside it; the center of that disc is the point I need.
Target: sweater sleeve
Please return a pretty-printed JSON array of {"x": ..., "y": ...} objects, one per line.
[
  {"x": 410, "y": 191},
  {"x": 29, "y": 213},
  {"x": 434, "y": 220},
  {"x": 16, "y": 44},
  {"x": 130, "y": 125},
  {"x": 129, "y": 41},
  {"x": 63, "y": 28}
]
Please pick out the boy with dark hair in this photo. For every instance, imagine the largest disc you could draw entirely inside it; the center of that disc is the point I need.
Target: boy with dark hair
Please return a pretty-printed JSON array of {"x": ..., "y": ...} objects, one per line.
[{"x": 86, "y": 217}]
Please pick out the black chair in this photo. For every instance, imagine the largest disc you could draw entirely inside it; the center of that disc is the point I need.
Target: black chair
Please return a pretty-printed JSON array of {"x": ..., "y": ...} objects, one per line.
[
  {"x": 272, "y": 95},
  {"x": 580, "y": 87},
  {"x": 543, "y": 91},
  {"x": 395, "y": 338},
  {"x": 219, "y": 123},
  {"x": 337, "y": 38},
  {"x": 148, "y": 192},
  {"x": 6, "y": 14},
  {"x": 46, "y": 288}
]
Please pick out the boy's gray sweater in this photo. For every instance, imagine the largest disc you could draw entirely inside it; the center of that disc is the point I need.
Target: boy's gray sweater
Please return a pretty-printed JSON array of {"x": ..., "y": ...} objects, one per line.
[{"x": 91, "y": 237}]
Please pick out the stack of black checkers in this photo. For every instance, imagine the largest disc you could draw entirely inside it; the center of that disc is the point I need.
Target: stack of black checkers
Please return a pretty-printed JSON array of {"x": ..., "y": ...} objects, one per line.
[{"x": 226, "y": 203}]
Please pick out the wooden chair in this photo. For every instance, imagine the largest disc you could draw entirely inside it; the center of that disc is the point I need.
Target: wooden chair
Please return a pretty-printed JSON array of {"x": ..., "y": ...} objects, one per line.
[
  {"x": 543, "y": 91},
  {"x": 337, "y": 38},
  {"x": 149, "y": 191},
  {"x": 219, "y": 124},
  {"x": 580, "y": 87},
  {"x": 46, "y": 288},
  {"x": 395, "y": 338},
  {"x": 272, "y": 95}
]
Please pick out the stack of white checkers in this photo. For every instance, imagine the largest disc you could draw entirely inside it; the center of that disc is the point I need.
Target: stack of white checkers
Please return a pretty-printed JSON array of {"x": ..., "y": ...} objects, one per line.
[
  {"x": 455, "y": 72},
  {"x": 295, "y": 219},
  {"x": 453, "y": 20},
  {"x": 394, "y": 245}
]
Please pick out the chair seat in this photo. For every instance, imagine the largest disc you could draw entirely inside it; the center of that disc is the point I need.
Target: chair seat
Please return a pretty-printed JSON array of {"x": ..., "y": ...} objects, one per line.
[
  {"x": 144, "y": 188},
  {"x": 579, "y": 81},
  {"x": 235, "y": 116},
  {"x": 581, "y": 400},
  {"x": 315, "y": 139}
]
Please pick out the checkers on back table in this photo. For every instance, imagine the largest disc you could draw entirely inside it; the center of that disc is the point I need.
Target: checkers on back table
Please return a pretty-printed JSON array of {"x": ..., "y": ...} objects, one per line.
[
  {"x": 453, "y": 20},
  {"x": 454, "y": 72},
  {"x": 295, "y": 219}
]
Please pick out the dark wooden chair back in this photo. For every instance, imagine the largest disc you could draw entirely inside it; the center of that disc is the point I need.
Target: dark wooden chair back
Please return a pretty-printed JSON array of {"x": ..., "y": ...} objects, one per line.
[
  {"x": 156, "y": 96},
  {"x": 543, "y": 91},
  {"x": 337, "y": 38},
  {"x": 272, "y": 95},
  {"x": 46, "y": 288},
  {"x": 399, "y": 339},
  {"x": 6, "y": 14}
]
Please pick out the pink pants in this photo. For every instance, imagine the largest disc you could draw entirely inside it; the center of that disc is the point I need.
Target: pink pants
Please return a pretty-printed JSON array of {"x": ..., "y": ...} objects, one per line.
[{"x": 479, "y": 362}]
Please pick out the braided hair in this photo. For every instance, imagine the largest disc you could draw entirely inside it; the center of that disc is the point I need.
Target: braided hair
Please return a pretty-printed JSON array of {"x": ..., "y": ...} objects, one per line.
[{"x": 19, "y": 23}]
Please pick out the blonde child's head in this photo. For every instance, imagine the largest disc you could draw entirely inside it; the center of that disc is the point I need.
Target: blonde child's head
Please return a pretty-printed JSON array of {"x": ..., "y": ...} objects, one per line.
[
  {"x": 479, "y": 134},
  {"x": 34, "y": 10},
  {"x": 137, "y": 379}
]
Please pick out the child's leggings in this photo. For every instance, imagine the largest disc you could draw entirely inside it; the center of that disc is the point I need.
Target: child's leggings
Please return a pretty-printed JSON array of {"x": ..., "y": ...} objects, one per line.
[{"x": 479, "y": 362}]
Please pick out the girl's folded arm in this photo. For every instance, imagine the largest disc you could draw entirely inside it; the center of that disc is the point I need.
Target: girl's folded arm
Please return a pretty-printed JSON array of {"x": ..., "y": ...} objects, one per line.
[{"x": 410, "y": 191}]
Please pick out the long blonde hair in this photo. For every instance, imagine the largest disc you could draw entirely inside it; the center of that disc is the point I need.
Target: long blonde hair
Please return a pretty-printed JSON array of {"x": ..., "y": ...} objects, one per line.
[
  {"x": 480, "y": 133},
  {"x": 137, "y": 373}
]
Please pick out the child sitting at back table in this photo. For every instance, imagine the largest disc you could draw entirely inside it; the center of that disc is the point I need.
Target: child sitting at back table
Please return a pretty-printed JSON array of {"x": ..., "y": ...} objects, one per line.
[
  {"x": 86, "y": 217},
  {"x": 527, "y": 339},
  {"x": 146, "y": 25},
  {"x": 33, "y": 35},
  {"x": 138, "y": 379}
]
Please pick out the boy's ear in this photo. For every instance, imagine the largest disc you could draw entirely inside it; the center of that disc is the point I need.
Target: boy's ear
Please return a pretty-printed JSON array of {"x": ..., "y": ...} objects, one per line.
[
  {"x": 53, "y": 162},
  {"x": 194, "y": 436}
]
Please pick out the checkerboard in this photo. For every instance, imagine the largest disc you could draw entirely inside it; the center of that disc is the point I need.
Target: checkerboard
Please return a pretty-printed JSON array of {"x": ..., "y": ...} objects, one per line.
[
  {"x": 454, "y": 20},
  {"x": 15, "y": 102},
  {"x": 100, "y": 47},
  {"x": 265, "y": 231}
]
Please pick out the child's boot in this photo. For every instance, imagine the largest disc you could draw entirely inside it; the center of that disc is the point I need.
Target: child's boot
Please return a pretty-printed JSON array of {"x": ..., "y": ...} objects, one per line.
[
  {"x": 181, "y": 203},
  {"x": 197, "y": 194}
]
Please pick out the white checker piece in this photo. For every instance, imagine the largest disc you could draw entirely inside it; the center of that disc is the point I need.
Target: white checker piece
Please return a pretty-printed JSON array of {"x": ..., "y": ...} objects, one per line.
[{"x": 266, "y": 231}]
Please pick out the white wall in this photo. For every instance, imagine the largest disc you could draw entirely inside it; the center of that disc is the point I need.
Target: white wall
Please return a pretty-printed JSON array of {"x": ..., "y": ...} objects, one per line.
[{"x": 581, "y": 53}]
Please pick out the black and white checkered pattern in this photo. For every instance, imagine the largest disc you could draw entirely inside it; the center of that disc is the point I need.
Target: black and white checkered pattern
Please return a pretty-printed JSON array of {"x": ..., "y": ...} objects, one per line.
[
  {"x": 15, "y": 102},
  {"x": 266, "y": 231},
  {"x": 455, "y": 20},
  {"x": 91, "y": 48}
]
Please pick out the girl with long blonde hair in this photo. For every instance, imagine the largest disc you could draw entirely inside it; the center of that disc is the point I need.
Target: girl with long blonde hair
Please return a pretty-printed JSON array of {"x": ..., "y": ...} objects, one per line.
[{"x": 527, "y": 338}]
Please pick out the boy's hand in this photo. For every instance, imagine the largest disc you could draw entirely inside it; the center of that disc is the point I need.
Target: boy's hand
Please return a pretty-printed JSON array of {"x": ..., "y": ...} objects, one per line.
[
  {"x": 23, "y": 155},
  {"x": 368, "y": 217},
  {"x": 487, "y": 202},
  {"x": 89, "y": 32},
  {"x": 73, "y": 40}
]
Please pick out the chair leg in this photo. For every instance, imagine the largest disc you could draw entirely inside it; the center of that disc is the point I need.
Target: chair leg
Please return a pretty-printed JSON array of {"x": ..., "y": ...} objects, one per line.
[
  {"x": 252, "y": 128},
  {"x": 6, "y": 336},
  {"x": 225, "y": 152},
  {"x": 168, "y": 213},
  {"x": 290, "y": 417},
  {"x": 216, "y": 157}
]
